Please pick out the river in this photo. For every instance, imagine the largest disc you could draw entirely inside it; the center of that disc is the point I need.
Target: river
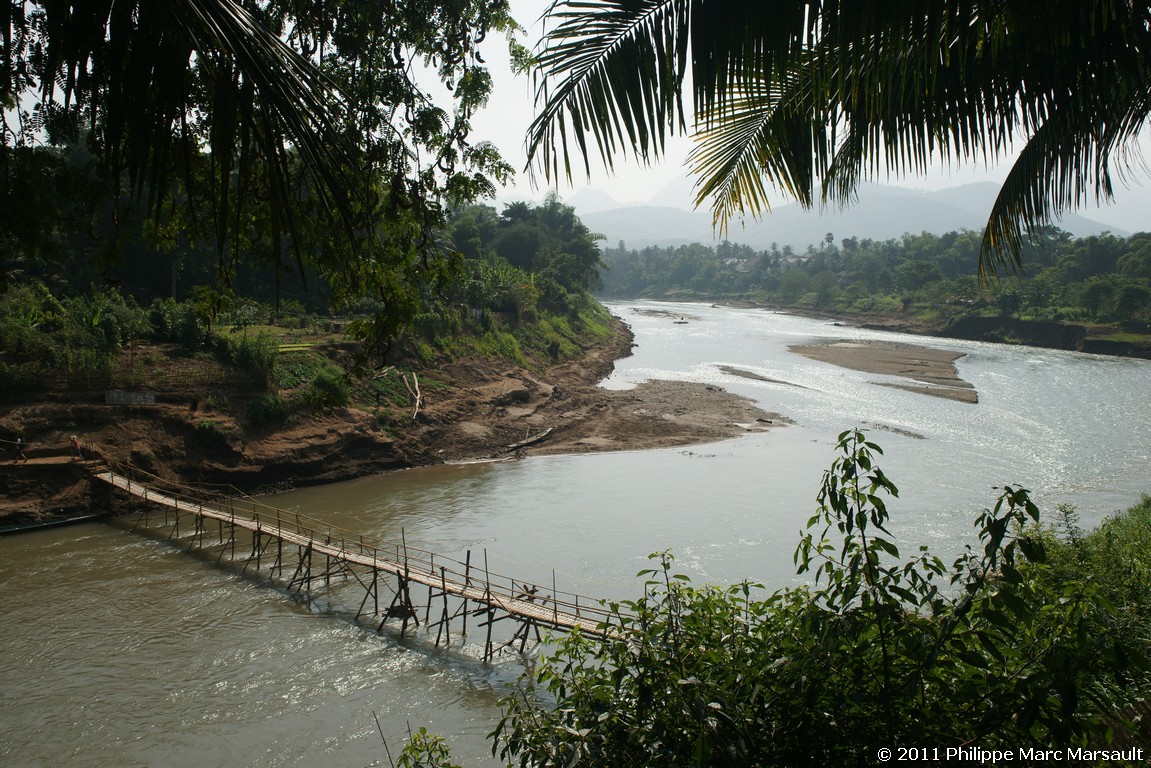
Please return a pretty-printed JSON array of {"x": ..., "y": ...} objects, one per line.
[{"x": 119, "y": 650}]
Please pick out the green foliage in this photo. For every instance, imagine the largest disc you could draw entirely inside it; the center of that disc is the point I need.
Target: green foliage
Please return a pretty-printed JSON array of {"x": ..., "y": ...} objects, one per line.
[
  {"x": 177, "y": 322},
  {"x": 29, "y": 315},
  {"x": 425, "y": 750},
  {"x": 527, "y": 254},
  {"x": 545, "y": 335},
  {"x": 926, "y": 276},
  {"x": 1114, "y": 557},
  {"x": 294, "y": 374},
  {"x": 257, "y": 354},
  {"x": 257, "y": 159},
  {"x": 423, "y": 351},
  {"x": 329, "y": 389},
  {"x": 76, "y": 333},
  {"x": 391, "y": 390},
  {"x": 269, "y": 410},
  {"x": 501, "y": 344},
  {"x": 875, "y": 651},
  {"x": 436, "y": 324}
]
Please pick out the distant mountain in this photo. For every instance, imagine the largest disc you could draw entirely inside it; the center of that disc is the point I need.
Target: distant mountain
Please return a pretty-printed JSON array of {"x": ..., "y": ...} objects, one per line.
[
  {"x": 590, "y": 200},
  {"x": 880, "y": 213}
]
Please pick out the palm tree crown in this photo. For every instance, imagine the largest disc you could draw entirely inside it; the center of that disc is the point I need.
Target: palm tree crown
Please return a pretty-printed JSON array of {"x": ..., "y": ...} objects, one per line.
[{"x": 812, "y": 96}]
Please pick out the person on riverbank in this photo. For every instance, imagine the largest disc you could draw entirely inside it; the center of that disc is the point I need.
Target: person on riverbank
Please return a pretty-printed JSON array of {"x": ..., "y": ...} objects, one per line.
[
  {"x": 77, "y": 455},
  {"x": 19, "y": 450}
]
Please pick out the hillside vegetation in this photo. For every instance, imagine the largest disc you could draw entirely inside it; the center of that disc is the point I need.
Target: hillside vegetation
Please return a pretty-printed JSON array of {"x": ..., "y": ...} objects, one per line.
[{"x": 214, "y": 385}]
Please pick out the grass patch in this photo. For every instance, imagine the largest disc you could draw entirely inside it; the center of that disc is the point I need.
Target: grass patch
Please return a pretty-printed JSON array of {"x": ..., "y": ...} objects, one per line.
[{"x": 1126, "y": 337}]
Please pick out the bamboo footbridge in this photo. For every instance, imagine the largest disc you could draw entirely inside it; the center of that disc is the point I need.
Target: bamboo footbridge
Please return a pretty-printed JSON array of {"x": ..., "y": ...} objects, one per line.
[{"x": 270, "y": 542}]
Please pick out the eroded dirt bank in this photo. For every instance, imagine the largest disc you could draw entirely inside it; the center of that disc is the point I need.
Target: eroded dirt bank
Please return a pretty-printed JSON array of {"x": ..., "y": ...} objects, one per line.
[{"x": 478, "y": 409}]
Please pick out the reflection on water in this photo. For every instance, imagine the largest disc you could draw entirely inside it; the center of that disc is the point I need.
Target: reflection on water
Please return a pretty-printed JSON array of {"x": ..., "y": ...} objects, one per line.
[{"x": 129, "y": 652}]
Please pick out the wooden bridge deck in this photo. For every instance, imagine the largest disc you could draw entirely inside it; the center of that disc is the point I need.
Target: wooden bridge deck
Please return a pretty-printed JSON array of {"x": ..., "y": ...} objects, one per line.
[{"x": 530, "y": 604}]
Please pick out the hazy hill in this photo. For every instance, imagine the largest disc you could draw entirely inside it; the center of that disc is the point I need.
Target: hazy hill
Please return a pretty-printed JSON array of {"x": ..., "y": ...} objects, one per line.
[{"x": 880, "y": 213}]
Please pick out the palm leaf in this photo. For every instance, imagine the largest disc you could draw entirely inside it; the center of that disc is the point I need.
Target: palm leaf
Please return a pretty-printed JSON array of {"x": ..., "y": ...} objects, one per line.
[
  {"x": 1066, "y": 162},
  {"x": 756, "y": 145},
  {"x": 138, "y": 69},
  {"x": 613, "y": 69},
  {"x": 797, "y": 94}
]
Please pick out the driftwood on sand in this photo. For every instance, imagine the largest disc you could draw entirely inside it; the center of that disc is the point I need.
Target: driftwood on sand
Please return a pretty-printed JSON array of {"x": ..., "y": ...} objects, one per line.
[{"x": 530, "y": 441}]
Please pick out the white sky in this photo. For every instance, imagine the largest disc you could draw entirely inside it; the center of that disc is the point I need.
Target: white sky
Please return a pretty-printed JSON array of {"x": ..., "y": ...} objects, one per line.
[{"x": 510, "y": 111}]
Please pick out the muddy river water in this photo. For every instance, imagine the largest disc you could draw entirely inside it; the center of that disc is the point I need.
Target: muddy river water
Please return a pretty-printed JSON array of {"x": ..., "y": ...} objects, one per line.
[{"x": 120, "y": 650}]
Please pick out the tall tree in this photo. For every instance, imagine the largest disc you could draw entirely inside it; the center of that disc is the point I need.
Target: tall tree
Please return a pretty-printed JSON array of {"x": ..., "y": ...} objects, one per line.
[
  {"x": 812, "y": 96},
  {"x": 290, "y": 109}
]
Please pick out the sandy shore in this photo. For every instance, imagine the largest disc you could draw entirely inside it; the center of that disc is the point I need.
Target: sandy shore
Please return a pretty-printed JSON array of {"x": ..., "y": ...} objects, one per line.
[
  {"x": 659, "y": 414},
  {"x": 479, "y": 409},
  {"x": 934, "y": 369}
]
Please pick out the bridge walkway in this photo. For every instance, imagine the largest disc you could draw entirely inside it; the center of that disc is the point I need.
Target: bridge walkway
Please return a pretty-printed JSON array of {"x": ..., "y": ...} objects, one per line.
[{"x": 458, "y": 588}]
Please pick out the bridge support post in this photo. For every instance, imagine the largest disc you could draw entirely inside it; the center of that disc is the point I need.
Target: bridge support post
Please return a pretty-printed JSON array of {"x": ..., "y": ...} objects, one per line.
[
  {"x": 445, "y": 619},
  {"x": 371, "y": 592},
  {"x": 305, "y": 568},
  {"x": 401, "y": 607},
  {"x": 467, "y": 583}
]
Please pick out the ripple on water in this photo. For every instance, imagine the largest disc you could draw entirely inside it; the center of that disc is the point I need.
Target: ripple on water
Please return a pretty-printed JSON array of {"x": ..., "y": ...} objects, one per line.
[{"x": 131, "y": 653}]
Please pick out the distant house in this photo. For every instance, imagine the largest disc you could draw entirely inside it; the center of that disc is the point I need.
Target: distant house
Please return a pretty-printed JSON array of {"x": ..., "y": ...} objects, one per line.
[{"x": 742, "y": 266}]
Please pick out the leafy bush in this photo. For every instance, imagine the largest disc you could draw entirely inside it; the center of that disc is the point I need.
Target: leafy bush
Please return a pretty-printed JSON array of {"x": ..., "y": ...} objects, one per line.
[
  {"x": 436, "y": 324},
  {"x": 425, "y": 750},
  {"x": 1115, "y": 557},
  {"x": 269, "y": 409},
  {"x": 330, "y": 389},
  {"x": 177, "y": 322},
  {"x": 876, "y": 652},
  {"x": 256, "y": 353}
]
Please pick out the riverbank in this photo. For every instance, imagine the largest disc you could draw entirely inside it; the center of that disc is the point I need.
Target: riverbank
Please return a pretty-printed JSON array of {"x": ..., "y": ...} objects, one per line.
[
  {"x": 1098, "y": 339},
  {"x": 476, "y": 409},
  {"x": 470, "y": 409}
]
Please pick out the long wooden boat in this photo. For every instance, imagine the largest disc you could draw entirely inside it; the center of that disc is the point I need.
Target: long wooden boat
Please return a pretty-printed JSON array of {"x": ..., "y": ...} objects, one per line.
[{"x": 39, "y": 525}]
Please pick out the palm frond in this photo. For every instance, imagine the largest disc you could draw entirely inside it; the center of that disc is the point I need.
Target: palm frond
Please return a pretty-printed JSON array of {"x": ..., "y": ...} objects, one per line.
[
  {"x": 149, "y": 75},
  {"x": 613, "y": 69},
  {"x": 1066, "y": 162},
  {"x": 807, "y": 94},
  {"x": 756, "y": 145},
  {"x": 738, "y": 45}
]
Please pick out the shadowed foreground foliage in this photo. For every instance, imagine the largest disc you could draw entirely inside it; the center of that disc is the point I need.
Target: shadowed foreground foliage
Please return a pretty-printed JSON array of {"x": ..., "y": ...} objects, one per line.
[{"x": 1001, "y": 649}]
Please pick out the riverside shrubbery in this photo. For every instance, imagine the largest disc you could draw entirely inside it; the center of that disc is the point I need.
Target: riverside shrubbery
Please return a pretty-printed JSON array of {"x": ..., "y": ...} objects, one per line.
[{"x": 1019, "y": 642}]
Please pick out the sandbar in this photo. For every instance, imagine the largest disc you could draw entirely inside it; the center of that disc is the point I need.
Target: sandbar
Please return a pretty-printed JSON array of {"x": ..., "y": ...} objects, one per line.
[{"x": 933, "y": 368}]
